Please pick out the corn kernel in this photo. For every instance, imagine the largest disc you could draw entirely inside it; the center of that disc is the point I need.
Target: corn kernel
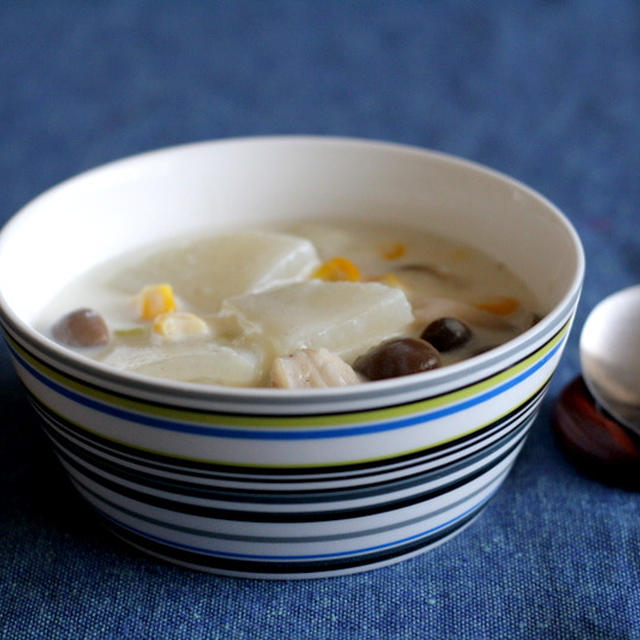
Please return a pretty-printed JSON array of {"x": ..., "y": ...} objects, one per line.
[
  {"x": 154, "y": 300},
  {"x": 179, "y": 324},
  {"x": 499, "y": 306},
  {"x": 338, "y": 269},
  {"x": 394, "y": 252}
]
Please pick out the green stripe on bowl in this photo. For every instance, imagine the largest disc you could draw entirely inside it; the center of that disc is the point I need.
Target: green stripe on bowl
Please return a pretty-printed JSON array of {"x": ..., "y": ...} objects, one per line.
[
  {"x": 288, "y": 421},
  {"x": 299, "y": 466}
]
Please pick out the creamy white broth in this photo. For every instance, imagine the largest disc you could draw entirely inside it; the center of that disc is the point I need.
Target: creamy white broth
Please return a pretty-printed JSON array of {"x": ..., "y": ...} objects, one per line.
[{"x": 258, "y": 297}]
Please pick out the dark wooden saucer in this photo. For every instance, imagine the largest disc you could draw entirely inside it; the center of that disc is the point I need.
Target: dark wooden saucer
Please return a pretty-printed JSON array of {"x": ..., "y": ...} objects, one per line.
[{"x": 594, "y": 441}]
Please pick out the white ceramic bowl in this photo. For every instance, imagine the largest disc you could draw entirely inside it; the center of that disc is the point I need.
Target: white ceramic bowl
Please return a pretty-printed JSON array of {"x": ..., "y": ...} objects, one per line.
[{"x": 265, "y": 483}]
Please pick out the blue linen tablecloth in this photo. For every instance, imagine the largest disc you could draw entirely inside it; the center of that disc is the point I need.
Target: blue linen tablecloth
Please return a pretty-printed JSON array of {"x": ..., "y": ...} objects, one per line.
[{"x": 548, "y": 92}]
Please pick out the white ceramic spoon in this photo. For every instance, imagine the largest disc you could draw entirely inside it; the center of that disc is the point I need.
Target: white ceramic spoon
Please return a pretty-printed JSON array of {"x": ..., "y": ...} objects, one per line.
[{"x": 610, "y": 356}]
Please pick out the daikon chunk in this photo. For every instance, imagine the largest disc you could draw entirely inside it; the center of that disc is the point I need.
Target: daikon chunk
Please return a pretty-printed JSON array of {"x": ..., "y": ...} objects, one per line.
[
  {"x": 203, "y": 361},
  {"x": 343, "y": 317},
  {"x": 205, "y": 272}
]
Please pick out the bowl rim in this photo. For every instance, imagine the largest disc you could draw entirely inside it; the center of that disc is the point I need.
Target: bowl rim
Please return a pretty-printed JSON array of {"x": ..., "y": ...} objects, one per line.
[{"x": 84, "y": 367}]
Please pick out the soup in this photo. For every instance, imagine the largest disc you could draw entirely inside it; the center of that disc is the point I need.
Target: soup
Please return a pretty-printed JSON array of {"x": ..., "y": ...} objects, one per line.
[{"x": 307, "y": 305}]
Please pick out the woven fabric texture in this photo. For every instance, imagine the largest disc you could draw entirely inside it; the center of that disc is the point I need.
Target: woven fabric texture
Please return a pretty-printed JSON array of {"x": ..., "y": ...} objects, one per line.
[{"x": 548, "y": 92}]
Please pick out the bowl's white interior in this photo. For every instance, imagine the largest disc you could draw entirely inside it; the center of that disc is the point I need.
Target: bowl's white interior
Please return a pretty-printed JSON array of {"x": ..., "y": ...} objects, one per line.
[{"x": 155, "y": 196}]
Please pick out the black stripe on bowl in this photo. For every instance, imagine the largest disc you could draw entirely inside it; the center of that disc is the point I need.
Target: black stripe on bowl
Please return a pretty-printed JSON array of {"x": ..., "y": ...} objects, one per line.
[
  {"x": 282, "y": 568},
  {"x": 235, "y": 473},
  {"x": 103, "y": 504},
  {"x": 269, "y": 495},
  {"x": 416, "y": 391},
  {"x": 178, "y": 504}
]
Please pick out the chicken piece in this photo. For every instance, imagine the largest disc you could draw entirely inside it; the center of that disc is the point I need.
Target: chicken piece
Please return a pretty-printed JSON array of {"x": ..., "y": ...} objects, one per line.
[{"x": 312, "y": 368}]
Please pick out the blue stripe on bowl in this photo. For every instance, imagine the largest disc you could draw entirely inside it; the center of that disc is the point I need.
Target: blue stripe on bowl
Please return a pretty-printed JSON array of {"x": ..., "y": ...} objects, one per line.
[
  {"x": 370, "y": 486},
  {"x": 178, "y": 504},
  {"x": 288, "y": 434},
  {"x": 93, "y": 497},
  {"x": 287, "y": 566},
  {"x": 189, "y": 470}
]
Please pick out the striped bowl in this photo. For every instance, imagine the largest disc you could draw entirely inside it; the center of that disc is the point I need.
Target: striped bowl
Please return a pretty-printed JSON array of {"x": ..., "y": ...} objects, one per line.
[{"x": 274, "y": 483}]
